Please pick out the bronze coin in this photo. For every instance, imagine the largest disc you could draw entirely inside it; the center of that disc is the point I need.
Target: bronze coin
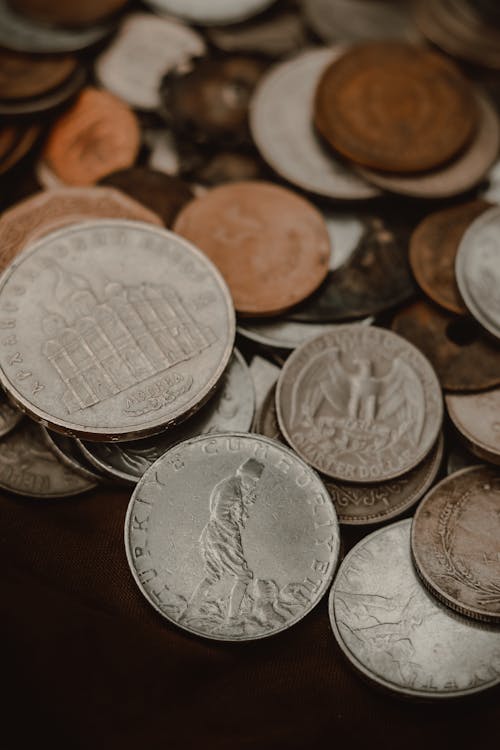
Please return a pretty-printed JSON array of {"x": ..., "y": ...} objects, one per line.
[
  {"x": 98, "y": 135},
  {"x": 23, "y": 75},
  {"x": 433, "y": 249},
  {"x": 60, "y": 12},
  {"x": 164, "y": 195},
  {"x": 476, "y": 417},
  {"x": 271, "y": 246},
  {"x": 395, "y": 107},
  {"x": 210, "y": 103},
  {"x": 49, "y": 210},
  {"x": 465, "y": 359}
]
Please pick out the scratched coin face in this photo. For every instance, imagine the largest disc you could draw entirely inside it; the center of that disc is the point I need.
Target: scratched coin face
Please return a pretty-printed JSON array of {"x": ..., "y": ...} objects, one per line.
[
  {"x": 232, "y": 537},
  {"x": 231, "y": 409},
  {"x": 113, "y": 330},
  {"x": 455, "y": 542},
  {"x": 397, "y": 634},
  {"x": 359, "y": 404}
]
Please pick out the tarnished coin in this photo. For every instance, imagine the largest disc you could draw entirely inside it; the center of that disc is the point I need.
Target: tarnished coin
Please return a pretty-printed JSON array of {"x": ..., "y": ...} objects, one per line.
[
  {"x": 232, "y": 537},
  {"x": 463, "y": 173},
  {"x": 433, "y": 249},
  {"x": 282, "y": 333},
  {"x": 19, "y": 33},
  {"x": 477, "y": 269},
  {"x": 282, "y": 128},
  {"x": 357, "y": 20},
  {"x": 237, "y": 224},
  {"x": 49, "y": 210},
  {"x": 476, "y": 416},
  {"x": 113, "y": 330},
  {"x": 28, "y": 467},
  {"x": 281, "y": 34},
  {"x": 212, "y": 13},
  {"x": 98, "y": 135},
  {"x": 359, "y": 404},
  {"x": 23, "y": 75},
  {"x": 143, "y": 51},
  {"x": 9, "y": 416},
  {"x": 59, "y": 12},
  {"x": 463, "y": 356},
  {"x": 67, "y": 451},
  {"x": 395, "y": 107},
  {"x": 231, "y": 409},
  {"x": 396, "y": 634},
  {"x": 455, "y": 541}
]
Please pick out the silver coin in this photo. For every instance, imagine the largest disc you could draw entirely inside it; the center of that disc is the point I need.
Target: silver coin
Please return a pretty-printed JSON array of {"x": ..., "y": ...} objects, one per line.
[
  {"x": 143, "y": 51},
  {"x": 113, "y": 330},
  {"x": 477, "y": 268},
  {"x": 359, "y": 404},
  {"x": 281, "y": 333},
  {"x": 20, "y": 34},
  {"x": 491, "y": 192},
  {"x": 29, "y": 467},
  {"x": 9, "y": 416},
  {"x": 264, "y": 376},
  {"x": 232, "y": 537},
  {"x": 231, "y": 409},
  {"x": 212, "y": 13},
  {"x": 397, "y": 634},
  {"x": 360, "y": 20},
  {"x": 282, "y": 127},
  {"x": 67, "y": 451}
]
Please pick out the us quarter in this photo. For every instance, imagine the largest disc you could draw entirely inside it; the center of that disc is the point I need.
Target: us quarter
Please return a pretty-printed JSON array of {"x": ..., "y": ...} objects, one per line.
[
  {"x": 398, "y": 635},
  {"x": 476, "y": 416},
  {"x": 455, "y": 542},
  {"x": 231, "y": 537},
  {"x": 477, "y": 269},
  {"x": 113, "y": 330},
  {"x": 360, "y": 404},
  {"x": 231, "y": 409}
]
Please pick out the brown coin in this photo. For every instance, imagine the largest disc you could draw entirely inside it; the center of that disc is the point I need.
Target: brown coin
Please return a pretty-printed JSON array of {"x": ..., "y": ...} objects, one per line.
[
  {"x": 395, "y": 107},
  {"x": 433, "y": 249},
  {"x": 465, "y": 359},
  {"x": 158, "y": 191},
  {"x": 54, "y": 98},
  {"x": 23, "y": 75},
  {"x": 476, "y": 416},
  {"x": 271, "y": 246},
  {"x": 24, "y": 140},
  {"x": 49, "y": 210},
  {"x": 455, "y": 541},
  {"x": 61, "y": 12},
  {"x": 97, "y": 136}
]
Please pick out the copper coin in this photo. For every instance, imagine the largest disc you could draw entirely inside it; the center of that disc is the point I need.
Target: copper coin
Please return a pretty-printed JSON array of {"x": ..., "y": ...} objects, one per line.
[
  {"x": 164, "y": 195},
  {"x": 97, "y": 136},
  {"x": 60, "y": 12},
  {"x": 395, "y": 107},
  {"x": 465, "y": 359},
  {"x": 271, "y": 246},
  {"x": 433, "y": 249},
  {"x": 49, "y": 210},
  {"x": 455, "y": 542},
  {"x": 476, "y": 417},
  {"x": 23, "y": 75},
  {"x": 25, "y": 138},
  {"x": 458, "y": 175}
]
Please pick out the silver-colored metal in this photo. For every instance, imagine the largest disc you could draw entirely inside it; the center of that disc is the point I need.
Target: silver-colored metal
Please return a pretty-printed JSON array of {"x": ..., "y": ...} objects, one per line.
[
  {"x": 360, "y": 20},
  {"x": 231, "y": 409},
  {"x": 113, "y": 330},
  {"x": 397, "y": 634},
  {"x": 213, "y": 12},
  {"x": 281, "y": 334},
  {"x": 281, "y": 119},
  {"x": 145, "y": 48},
  {"x": 232, "y": 537},
  {"x": 477, "y": 269},
  {"x": 9, "y": 416},
  {"x": 491, "y": 192},
  {"x": 360, "y": 404},
  {"x": 264, "y": 375},
  {"x": 20, "y": 34},
  {"x": 28, "y": 467},
  {"x": 68, "y": 452}
]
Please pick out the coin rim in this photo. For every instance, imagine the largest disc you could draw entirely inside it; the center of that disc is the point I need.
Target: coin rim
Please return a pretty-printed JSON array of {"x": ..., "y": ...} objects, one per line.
[{"x": 472, "y": 443}]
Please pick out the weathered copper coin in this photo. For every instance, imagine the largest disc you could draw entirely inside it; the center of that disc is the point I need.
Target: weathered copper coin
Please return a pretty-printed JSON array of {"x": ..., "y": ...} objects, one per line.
[
  {"x": 9, "y": 416},
  {"x": 113, "y": 330},
  {"x": 271, "y": 245},
  {"x": 210, "y": 103},
  {"x": 476, "y": 416},
  {"x": 395, "y": 107},
  {"x": 49, "y": 210},
  {"x": 67, "y": 451},
  {"x": 359, "y": 404},
  {"x": 463, "y": 173},
  {"x": 357, "y": 20},
  {"x": 463, "y": 356},
  {"x": 97, "y": 136},
  {"x": 433, "y": 249},
  {"x": 164, "y": 195},
  {"x": 142, "y": 52},
  {"x": 455, "y": 542},
  {"x": 214, "y": 12},
  {"x": 59, "y": 12},
  {"x": 23, "y": 75},
  {"x": 28, "y": 467}
]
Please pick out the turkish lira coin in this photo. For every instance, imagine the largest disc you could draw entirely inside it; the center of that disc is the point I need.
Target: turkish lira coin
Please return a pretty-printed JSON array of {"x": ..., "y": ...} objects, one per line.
[{"x": 231, "y": 537}]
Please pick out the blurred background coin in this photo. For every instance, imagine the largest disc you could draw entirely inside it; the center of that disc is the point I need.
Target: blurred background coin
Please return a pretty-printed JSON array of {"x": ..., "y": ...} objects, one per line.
[
  {"x": 476, "y": 417},
  {"x": 214, "y": 12},
  {"x": 281, "y": 34},
  {"x": 359, "y": 20},
  {"x": 61, "y": 13}
]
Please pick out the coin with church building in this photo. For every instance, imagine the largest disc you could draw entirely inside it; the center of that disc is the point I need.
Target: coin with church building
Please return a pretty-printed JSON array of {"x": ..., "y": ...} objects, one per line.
[
  {"x": 232, "y": 537},
  {"x": 113, "y": 330}
]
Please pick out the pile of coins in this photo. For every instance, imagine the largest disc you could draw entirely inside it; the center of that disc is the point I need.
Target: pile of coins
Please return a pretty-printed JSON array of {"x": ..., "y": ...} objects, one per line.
[{"x": 225, "y": 286}]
